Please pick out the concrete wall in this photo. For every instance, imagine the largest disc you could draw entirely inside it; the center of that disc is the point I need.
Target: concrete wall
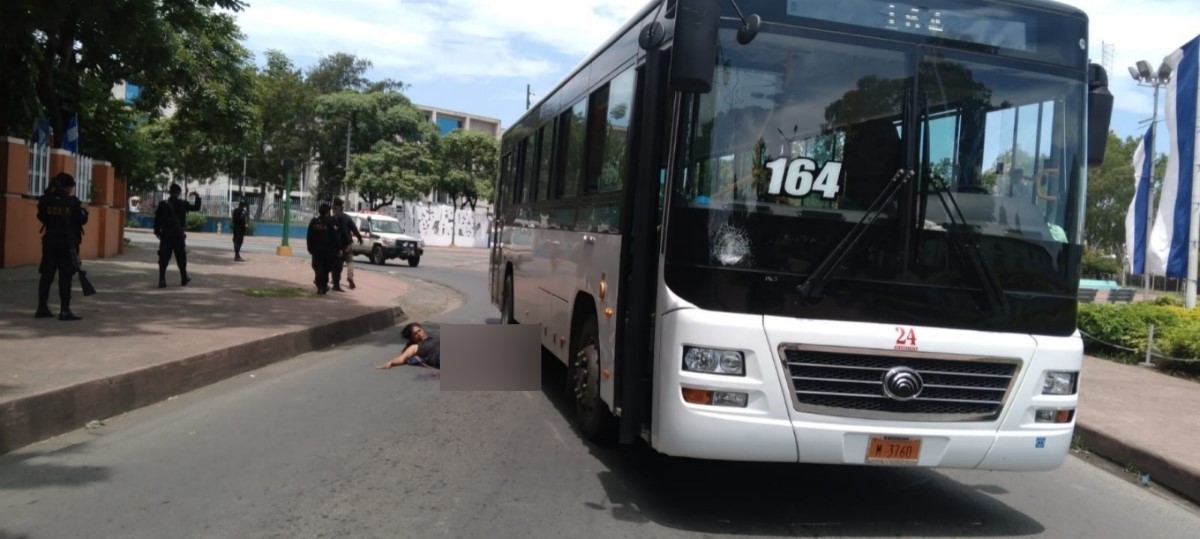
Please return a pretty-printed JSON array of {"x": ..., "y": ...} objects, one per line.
[
  {"x": 20, "y": 236},
  {"x": 435, "y": 223}
]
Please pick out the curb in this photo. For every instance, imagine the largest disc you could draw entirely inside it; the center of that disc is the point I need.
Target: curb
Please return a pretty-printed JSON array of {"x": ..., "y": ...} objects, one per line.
[
  {"x": 1184, "y": 480},
  {"x": 39, "y": 417}
]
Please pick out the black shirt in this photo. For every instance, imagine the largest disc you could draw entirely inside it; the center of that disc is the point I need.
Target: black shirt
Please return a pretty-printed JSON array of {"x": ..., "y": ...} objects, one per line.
[
  {"x": 322, "y": 239},
  {"x": 63, "y": 216},
  {"x": 239, "y": 220},
  {"x": 171, "y": 216},
  {"x": 430, "y": 351}
]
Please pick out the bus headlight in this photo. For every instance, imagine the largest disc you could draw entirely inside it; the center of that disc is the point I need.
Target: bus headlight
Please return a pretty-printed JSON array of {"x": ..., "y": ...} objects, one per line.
[
  {"x": 1059, "y": 383},
  {"x": 712, "y": 361}
]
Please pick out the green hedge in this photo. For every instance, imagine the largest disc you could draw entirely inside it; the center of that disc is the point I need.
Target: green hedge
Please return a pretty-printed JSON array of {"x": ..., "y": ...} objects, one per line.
[
  {"x": 1176, "y": 331},
  {"x": 195, "y": 222}
]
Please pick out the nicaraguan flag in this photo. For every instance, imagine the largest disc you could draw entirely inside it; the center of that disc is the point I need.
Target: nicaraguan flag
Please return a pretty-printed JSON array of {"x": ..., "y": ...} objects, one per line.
[
  {"x": 71, "y": 141},
  {"x": 1169, "y": 240},
  {"x": 1139, "y": 207}
]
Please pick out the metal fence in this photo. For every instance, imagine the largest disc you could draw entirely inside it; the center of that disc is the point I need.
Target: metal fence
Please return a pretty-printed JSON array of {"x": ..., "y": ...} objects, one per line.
[
  {"x": 39, "y": 169},
  {"x": 83, "y": 177}
]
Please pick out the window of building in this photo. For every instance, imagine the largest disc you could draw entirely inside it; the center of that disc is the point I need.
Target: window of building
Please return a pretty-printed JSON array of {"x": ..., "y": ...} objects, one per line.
[{"x": 446, "y": 125}]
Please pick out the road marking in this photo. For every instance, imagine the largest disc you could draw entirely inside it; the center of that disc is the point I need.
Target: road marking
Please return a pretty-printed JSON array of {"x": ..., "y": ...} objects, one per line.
[{"x": 554, "y": 431}]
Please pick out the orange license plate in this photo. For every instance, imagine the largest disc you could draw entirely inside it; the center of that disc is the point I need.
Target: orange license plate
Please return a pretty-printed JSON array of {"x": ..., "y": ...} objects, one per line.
[{"x": 893, "y": 450}]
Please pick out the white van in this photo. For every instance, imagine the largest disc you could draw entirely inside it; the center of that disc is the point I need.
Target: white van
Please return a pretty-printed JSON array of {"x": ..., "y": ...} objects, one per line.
[{"x": 383, "y": 240}]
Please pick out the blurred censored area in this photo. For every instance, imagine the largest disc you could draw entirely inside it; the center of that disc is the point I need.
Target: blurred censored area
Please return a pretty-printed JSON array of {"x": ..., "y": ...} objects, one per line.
[{"x": 491, "y": 357}]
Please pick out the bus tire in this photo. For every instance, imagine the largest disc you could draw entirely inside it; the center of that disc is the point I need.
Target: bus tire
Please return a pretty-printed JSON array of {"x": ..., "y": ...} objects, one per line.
[
  {"x": 595, "y": 422},
  {"x": 506, "y": 305}
]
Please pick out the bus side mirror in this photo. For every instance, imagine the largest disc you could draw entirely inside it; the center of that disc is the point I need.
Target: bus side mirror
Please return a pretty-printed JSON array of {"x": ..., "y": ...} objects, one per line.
[
  {"x": 1100, "y": 107},
  {"x": 693, "y": 60}
]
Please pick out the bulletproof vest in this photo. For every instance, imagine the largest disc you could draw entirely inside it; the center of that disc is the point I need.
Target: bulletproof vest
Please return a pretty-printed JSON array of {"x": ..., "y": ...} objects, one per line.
[{"x": 55, "y": 212}]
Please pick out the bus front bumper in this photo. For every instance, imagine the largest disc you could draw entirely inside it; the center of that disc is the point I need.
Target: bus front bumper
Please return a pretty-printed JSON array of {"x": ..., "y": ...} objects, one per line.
[{"x": 769, "y": 428}]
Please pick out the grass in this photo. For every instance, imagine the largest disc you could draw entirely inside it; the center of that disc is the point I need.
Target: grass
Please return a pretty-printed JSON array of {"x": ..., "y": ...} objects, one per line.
[{"x": 279, "y": 293}]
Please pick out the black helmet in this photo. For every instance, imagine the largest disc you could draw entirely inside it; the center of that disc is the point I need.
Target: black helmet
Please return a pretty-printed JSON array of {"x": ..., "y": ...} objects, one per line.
[{"x": 176, "y": 189}]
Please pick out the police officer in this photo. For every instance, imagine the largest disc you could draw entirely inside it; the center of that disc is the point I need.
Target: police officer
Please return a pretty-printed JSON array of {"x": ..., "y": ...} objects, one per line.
[
  {"x": 169, "y": 220},
  {"x": 239, "y": 220},
  {"x": 323, "y": 245},
  {"x": 347, "y": 231},
  {"x": 62, "y": 217}
]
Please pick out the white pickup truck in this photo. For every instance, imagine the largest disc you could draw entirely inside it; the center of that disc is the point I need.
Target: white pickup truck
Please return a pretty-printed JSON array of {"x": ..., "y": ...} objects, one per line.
[{"x": 383, "y": 240}]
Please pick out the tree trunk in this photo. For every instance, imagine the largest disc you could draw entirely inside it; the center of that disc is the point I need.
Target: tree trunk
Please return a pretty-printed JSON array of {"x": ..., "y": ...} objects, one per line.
[{"x": 454, "y": 222}]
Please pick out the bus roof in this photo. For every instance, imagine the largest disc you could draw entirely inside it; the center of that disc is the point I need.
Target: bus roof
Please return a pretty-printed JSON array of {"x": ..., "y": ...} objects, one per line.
[{"x": 1044, "y": 5}]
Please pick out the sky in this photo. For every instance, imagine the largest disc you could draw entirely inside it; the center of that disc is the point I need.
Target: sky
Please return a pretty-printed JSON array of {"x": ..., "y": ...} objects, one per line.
[{"x": 477, "y": 56}]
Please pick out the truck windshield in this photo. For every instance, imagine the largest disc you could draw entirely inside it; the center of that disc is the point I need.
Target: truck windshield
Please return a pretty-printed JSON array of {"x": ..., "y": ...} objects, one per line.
[
  {"x": 385, "y": 227},
  {"x": 800, "y": 135}
]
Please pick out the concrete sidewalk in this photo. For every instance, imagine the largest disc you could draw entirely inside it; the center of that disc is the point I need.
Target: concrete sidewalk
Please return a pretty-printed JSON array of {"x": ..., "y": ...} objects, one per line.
[
  {"x": 138, "y": 345},
  {"x": 1142, "y": 418}
]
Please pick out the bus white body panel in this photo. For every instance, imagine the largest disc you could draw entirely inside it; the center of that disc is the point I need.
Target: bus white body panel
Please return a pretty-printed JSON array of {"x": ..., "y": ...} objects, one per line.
[
  {"x": 550, "y": 269},
  {"x": 771, "y": 428}
]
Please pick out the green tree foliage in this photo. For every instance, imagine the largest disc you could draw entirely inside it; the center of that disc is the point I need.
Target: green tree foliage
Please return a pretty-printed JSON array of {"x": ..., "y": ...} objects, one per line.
[
  {"x": 370, "y": 118},
  {"x": 285, "y": 122},
  {"x": 390, "y": 171},
  {"x": 1109, "y": 192},
  {"x": 469, "y": 161}
]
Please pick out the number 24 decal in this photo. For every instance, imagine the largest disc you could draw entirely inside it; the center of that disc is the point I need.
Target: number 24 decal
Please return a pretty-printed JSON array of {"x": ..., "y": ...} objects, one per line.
[
  {"x": 797, "y": 180},
  {"x": 907, "y": 337}
]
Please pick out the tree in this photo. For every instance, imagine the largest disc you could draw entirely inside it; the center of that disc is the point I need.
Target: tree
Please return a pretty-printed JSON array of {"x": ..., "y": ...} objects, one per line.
[
  {"x": 65, "y": 47},
  {"x": 469, "y": 160},
  {"x": 342, "y": 71},
  {"x": 285, "y": 122},
  {"x": 390, "y": 171},
  {"x": 369, "y": 118},
  {"x": 1109, "y": 192}
]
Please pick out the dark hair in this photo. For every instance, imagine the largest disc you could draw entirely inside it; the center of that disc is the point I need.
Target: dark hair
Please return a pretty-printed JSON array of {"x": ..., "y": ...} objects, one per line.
[
  {"x": 62, "y": 181},
  {"x": 175, "y": 189},
  {"x": 323, "y": 209},
  {"x": 407, "y": 332},
  {"x": 338, "y": 202}
]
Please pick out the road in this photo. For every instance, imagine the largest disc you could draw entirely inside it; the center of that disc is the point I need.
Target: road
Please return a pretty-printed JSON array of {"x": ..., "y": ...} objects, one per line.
[{"x": 327, "y": 446}]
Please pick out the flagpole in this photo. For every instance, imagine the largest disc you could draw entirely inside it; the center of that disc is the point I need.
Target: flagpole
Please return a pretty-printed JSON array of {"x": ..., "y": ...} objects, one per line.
[
  {"x": 1193, "y": 240},
  {"x": 1150, "y": 194}
]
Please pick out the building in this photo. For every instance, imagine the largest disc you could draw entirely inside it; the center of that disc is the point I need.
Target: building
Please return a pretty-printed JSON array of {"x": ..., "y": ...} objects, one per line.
[{"x": 449, "y": 120}]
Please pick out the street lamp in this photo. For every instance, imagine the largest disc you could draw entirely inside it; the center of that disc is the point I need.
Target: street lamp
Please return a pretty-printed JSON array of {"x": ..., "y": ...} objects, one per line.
[{"x": 1145, "y": 77}]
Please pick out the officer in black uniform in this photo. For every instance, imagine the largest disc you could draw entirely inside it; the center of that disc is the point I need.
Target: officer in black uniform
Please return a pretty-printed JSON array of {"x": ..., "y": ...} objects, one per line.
[
  {"x": 323, "y": 243},
  {"x": 169, "y": 220},
  {"x": 239, "y": 230},
  {"x": 62, "y": 216}
]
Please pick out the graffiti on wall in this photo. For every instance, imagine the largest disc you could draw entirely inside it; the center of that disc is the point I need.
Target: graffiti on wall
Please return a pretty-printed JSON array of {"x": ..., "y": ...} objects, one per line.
[{"x": 437, "y": 223}]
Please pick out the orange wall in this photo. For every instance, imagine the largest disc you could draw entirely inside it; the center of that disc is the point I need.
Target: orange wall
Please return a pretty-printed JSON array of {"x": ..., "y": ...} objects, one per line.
[
  {"x": 22, "y": 242},
  {"x": 112, "y": 233},
  {"x": 14, "y": 157}
]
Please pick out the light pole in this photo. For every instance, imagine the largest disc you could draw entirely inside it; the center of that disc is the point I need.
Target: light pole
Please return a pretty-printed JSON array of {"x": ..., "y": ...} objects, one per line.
[
  {"x": 285, "y": 249},
  {"x": 1157, "y": 80}
]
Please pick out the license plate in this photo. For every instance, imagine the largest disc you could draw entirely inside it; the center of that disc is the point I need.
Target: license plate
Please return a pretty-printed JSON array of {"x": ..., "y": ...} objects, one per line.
[{"x": 893, "y": 450}]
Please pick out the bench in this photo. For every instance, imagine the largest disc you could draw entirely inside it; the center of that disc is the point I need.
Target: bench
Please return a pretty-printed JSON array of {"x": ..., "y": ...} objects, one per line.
[
  {"x": 1120, "y": 295},
  {"x": 1087, "y": 295}
]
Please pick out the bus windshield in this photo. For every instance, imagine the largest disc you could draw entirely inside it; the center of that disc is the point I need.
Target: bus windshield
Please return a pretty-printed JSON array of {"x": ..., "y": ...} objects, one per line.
[{"x": 800, "y": 135}]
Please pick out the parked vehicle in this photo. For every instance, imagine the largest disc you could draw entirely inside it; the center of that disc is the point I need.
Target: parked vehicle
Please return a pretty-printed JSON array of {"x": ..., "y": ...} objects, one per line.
[{"x": 383, "y": 240}]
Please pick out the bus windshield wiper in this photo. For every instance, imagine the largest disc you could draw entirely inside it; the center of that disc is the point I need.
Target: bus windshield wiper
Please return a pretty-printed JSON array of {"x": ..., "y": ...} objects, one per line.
[
  {"x": 964, "y": 239},
  {"x": 813, "y": 286}
]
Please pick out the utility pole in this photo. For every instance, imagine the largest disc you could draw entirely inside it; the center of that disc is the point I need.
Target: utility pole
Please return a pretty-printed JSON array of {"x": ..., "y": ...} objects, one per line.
[
  {"x": 285, "y": 249},
  {"x": 346, "y": 174},
  {"x": 528, "y": 96}
]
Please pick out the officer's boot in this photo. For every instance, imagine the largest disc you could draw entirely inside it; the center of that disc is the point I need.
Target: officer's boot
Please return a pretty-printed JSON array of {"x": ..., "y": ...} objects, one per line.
[
  {"x": 64, "y": 298},
  {"x": 162, "y": 275},
  {"x": 43, "y": 309}
]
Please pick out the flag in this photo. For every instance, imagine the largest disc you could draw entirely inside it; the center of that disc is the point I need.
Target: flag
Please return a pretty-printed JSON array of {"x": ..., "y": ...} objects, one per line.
[
  {"x": 41, "y": 131},
  {"x": 1139, "y": 207},
  {"x": 1169, "y": 240},
  {"x": 71, "y": 140}
]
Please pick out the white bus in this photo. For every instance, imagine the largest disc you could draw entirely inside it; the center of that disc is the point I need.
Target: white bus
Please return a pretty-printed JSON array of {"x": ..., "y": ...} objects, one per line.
[{"x": 809, "y": 231}]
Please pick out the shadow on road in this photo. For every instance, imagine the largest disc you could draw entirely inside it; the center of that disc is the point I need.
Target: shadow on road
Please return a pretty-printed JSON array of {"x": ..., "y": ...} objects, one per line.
[
  {"x": 19, "y": 472},
  {"x": 644, "y": 486}
]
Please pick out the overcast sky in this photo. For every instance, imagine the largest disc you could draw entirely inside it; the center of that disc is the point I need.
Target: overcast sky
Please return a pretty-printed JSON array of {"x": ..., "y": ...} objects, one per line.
[{"x": 477, "y": 55}]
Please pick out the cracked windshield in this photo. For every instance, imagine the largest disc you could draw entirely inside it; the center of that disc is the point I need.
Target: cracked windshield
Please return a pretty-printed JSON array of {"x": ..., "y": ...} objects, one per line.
[{"x": 815, "y": 131}]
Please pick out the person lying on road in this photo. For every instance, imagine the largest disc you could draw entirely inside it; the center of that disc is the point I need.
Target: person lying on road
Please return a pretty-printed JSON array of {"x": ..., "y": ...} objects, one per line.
[{"x": 423, "y": 349}]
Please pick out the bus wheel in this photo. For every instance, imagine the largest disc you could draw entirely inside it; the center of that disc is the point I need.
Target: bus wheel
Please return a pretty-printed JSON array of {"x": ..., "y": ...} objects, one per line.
[
  {"x": 506, "y": 309},
  {"x": 595, "y": 421}
]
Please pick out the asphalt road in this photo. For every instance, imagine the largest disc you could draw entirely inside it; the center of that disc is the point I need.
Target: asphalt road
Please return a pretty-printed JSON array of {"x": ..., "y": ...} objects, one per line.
[{"x": 327, "y": 446}]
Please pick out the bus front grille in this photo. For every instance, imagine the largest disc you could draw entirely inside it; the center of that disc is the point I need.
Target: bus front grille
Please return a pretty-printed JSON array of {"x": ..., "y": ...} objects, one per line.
[{"x": 850, "y": 382}]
